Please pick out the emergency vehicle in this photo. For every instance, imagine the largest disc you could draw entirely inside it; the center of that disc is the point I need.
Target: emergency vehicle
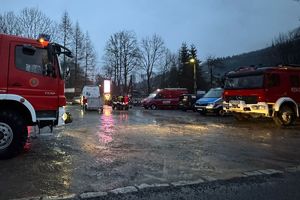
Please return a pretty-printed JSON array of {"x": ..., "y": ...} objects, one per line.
[
  {"x": 31, "y": 89},
  {"x": 211, "y": 102},
  {"x": 264, "y": 92},
  {"x": 120, "y": 103},
  {"x": 164, "y": 98},
  {"x": 91, "y": 98}
]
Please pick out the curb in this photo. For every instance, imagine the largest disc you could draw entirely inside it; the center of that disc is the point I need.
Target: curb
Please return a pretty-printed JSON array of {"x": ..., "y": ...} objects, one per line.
[{"x": 145, "y": 186}]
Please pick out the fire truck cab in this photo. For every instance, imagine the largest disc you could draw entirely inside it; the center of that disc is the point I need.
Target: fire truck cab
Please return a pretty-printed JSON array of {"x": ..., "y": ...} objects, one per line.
[
  {"x": 31, "y": 89},
  {"x": 264, "y": 92}
]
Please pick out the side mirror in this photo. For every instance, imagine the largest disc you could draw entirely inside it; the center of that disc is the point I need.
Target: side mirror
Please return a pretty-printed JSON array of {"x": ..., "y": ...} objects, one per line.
[{"x": 69, "y": 54}]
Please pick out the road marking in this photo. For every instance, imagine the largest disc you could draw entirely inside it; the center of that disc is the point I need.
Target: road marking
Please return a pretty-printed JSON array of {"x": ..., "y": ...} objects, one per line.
[
  {"x": 293, "y": 169},
  {"x": 124, "y": 190},
  {"x": 208, "y": 178},
  {"x": 156, "y": 185},
  {"x": 252, "y": 173},
  {"x": 90, "y": 195},
  {"x": 183, "y": 183},
  {"x": 270, "y": 171}
]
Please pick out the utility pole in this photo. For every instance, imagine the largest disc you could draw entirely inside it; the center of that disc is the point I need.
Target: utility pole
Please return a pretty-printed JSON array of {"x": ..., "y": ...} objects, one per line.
[{"x": 192, "y": 60}]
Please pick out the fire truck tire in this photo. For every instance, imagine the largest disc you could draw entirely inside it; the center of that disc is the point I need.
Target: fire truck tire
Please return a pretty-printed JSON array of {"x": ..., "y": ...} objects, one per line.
[
  {"x": 285, "y": 116},
  {"x": 13, "y": 134},
  {"x": 153, "y": 107}
]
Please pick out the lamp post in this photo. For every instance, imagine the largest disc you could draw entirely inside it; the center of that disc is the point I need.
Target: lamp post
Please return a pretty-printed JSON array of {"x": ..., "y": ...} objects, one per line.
[{"x": 193, "y": 61}]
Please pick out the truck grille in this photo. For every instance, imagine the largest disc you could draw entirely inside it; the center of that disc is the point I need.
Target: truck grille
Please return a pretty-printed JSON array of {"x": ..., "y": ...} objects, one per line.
[{"x": 247, "y": 99}]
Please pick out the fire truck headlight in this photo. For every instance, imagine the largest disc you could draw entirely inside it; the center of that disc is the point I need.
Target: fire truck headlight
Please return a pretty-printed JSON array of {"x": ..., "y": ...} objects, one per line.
[
  {"x": 261, "y": 107},
  {"x": 67, "y": 117},
  {"x": 258, "y": 107}
]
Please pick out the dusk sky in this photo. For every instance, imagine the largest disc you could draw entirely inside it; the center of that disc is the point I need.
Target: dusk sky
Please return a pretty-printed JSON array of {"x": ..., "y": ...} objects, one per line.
[{"x": 216, "y": 27}]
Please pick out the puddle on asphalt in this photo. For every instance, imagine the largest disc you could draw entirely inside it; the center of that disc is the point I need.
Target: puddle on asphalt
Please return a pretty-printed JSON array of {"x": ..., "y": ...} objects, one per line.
[{"x": 105, "y": 133}]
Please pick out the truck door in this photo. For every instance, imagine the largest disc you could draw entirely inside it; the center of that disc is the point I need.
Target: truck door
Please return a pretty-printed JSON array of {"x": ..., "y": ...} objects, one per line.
[
  {"x": 274, "y": 87},
  {"x": 32, "y": 76}
]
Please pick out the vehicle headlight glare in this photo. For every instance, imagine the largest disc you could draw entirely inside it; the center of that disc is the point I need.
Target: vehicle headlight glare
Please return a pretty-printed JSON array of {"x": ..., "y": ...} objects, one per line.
[{"x": 210, "y": 105}]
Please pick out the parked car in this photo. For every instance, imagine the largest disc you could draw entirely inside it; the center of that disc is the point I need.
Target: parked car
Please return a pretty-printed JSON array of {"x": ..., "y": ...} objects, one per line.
[
  {"x": 187, "y": 102},
  {"x": 164, "y": 98},
  {"x": 211, "y": 102},
  {"x": 91, "y": 99}
]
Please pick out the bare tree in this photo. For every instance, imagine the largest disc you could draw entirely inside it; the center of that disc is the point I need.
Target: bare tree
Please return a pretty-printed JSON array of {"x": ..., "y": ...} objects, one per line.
[
  {"x": 33, "y": 22},
  {"x": 169, "y": 60},
  {"x": 77, "y": 50},
  {"x": 122, "y": 56},
  {"x": 66, "y": 31},
  {"x": 284, "y": 46},
  {"x": 152, "y": 51},
  {"x": 213, "y": 62},
  {"x": 89, "y": 57},
  {"x": 9, "y": 24}
]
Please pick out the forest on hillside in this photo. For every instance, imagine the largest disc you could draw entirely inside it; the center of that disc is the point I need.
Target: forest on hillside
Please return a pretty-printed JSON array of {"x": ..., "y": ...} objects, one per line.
[{"x": 285, "y": 49}]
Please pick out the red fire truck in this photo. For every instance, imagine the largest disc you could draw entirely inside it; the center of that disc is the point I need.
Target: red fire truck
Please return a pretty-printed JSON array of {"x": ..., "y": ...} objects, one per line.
[
  {"x": 264, "y": 92},
  {"x": 31, "y": 89}
]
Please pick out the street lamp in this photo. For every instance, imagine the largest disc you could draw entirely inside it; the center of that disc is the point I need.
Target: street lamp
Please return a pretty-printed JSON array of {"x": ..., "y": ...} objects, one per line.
[{"x": 193, "y": 61}]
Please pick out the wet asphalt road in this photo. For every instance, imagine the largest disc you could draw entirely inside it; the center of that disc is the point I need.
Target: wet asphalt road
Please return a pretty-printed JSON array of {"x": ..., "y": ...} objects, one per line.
[{"x": 100, "y": 152}]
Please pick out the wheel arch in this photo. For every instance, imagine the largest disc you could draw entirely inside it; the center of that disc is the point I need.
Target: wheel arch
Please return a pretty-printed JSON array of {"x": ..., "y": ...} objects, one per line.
[
  {"x": 19, "y": 104},
  {"x": 286, "y": 101}
]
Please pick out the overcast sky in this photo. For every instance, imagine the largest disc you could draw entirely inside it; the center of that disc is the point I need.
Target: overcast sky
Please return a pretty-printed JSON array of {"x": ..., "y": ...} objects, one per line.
[{"x": 216, "y": 27}]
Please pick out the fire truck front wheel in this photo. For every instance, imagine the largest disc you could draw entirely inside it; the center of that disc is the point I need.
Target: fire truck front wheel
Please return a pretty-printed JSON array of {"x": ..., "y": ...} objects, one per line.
[
  {"x": 285, "y": 116},
  {"x": 13, "y": 134}
]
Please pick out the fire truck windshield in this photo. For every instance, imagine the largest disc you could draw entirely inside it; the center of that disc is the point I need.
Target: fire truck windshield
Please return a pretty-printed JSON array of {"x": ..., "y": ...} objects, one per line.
[{"x": 244, "y": 82}]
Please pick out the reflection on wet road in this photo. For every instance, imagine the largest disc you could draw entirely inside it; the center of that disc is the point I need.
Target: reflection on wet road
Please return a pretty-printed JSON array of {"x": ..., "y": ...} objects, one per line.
[
  {"x": 107, "y": 126},
  {"x": 120, "y": 148}
]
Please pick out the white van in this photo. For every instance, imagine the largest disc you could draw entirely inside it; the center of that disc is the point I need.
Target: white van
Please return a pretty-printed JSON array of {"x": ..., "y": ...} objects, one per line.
[{"x": 91, "y": 99}]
